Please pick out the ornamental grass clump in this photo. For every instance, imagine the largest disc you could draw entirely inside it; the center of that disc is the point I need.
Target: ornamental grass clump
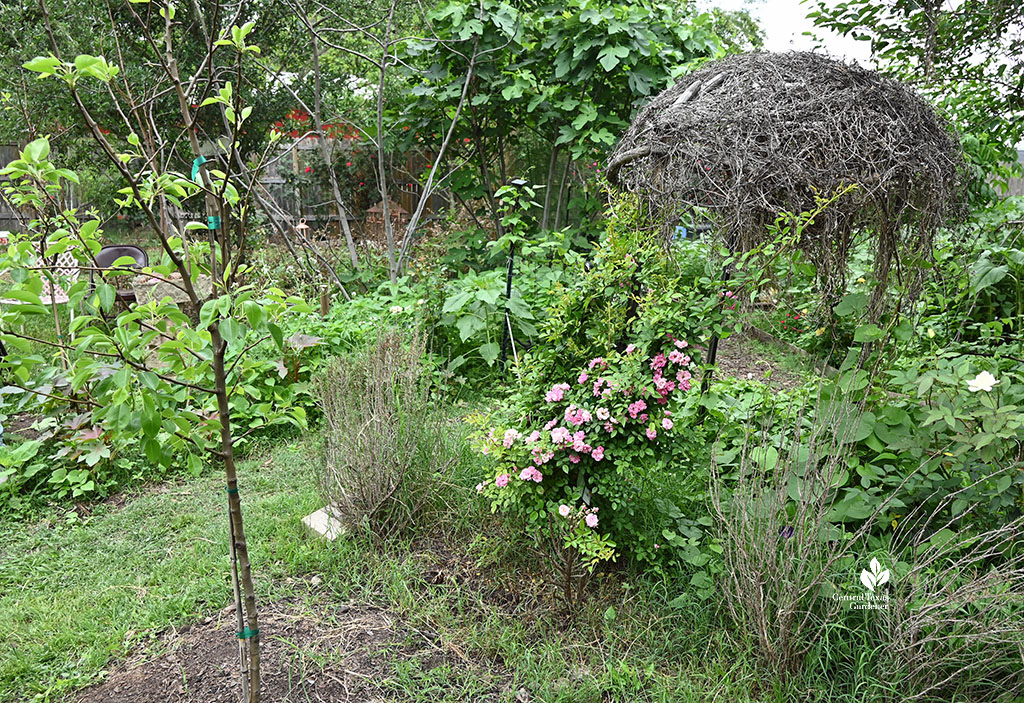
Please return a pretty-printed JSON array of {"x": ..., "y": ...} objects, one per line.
[{"x": 389, "y": 447}]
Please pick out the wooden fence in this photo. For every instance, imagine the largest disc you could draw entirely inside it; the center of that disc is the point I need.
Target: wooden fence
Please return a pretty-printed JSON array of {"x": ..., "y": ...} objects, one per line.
[{"x": 9, "y": 221}]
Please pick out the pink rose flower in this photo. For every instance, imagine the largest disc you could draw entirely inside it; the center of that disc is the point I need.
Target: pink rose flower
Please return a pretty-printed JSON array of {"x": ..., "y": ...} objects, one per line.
[
  {"x": 564, "y": 510},
  {"x": 501, "y": 481},
  {"x": 582, "y": 379},
  {"x": 511, "y": 435},
  {"x": 556, "y": 393},
  {"x": 560, "y": 435},
  {"x": 591, "y": 520},
  {"x": 667, "y": 423},
  {"x": 598, "y": 453},
  {"x": 681, "y": 343},
  {"x": 636, "y": 408},
  {"x": 530, "y": 474},
  {"x": 630, "y": 348},
  {"x": 651, "y": 433},
  {"x": 675, "y": 356}
]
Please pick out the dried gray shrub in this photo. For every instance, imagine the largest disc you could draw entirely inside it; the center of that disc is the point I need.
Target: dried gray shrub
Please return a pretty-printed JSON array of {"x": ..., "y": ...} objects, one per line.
[
  {"x": 388, "y": 446},
  {"x": 774, "y": 515}
]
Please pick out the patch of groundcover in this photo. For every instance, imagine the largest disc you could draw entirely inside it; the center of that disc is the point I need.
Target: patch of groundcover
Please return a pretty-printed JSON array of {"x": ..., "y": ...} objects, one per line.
[{"x": 309, "y": 653}]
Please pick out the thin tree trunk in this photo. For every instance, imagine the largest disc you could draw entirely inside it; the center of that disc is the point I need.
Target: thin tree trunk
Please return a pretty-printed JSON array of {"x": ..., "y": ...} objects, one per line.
[
  {"x": 561, "y": 193},
  {"x": 485, "y": 175},
  {"x": 552, "y": 162},
  {"x": 239, "y": 550},
  {"x": 428, "y": 188},
  {"x": 325, "y": 153},
  {"x": 389, "y": 230}
]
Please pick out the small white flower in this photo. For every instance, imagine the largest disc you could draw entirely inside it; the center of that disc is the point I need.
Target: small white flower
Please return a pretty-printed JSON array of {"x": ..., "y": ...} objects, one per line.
[
  {"x": 421, "y": 301},
  {"x": 984, "y": 381},
  {"x": 750, "y": 376},
  {"x": 396, "y": 309}
]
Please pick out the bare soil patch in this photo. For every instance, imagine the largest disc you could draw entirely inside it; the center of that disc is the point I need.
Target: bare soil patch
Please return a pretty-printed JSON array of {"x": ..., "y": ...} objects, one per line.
[
  {"x": 739, "y": 358},
  {"x": 326, "y": 652}
]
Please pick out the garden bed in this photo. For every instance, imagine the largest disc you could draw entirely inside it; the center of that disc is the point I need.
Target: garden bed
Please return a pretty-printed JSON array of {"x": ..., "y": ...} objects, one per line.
[{"x": 310, "y": 652}]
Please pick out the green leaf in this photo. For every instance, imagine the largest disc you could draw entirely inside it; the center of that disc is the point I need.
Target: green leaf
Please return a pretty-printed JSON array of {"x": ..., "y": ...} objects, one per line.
[
  {"x": 489, "y": 352},
  {"x": 851, "y": 304},
  {"x": 1003, "y": 483},
  {"x": 611, "y": 56},
  {"x": 766, "y": 457},
  {"x": 153, "y": 451},
  {"x": 985, "y": 275},
  {"x": 456, "y": 301},
  {"x": 106, "y": 294},
  {"x": 868, "y": 333},
  {"x": 151, "y": 419},
  {"x": 46, "y": 65},
  {"x": 231, "y": 331},
  {"x": 37, "y": 150},
  {"x": 276, "y": 334},
  {"x": 468, "y": 325},
  {"x": 489, "y": 295},
  {"x": 25, "y": 296}
]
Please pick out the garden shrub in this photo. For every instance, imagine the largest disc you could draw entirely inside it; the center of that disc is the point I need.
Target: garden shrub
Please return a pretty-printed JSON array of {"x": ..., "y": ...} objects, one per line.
[
  {"x": 389, "y": 445},
  {"x": 601, "y": 420},
  {"x": 799, "y": 534}
]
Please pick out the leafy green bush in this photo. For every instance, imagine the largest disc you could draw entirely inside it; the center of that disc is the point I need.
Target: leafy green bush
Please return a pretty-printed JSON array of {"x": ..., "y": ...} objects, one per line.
[{"x": 601, "y": 417}]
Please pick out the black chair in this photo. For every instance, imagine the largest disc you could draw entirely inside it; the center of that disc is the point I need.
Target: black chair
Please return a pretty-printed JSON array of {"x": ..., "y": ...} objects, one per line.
[{"x": 111, "y": 253}]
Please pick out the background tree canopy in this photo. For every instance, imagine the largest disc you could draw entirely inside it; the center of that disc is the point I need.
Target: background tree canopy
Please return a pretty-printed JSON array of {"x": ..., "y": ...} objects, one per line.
[{"x": 964, "y": 56}]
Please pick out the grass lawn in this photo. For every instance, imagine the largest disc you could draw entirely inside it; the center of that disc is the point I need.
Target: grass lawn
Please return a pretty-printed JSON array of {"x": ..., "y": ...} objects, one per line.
[{"x": 76, "y": 596}]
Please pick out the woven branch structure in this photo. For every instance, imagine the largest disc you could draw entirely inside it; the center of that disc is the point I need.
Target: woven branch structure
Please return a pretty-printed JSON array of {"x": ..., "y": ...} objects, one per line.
[{"x": 754, "y": 135}]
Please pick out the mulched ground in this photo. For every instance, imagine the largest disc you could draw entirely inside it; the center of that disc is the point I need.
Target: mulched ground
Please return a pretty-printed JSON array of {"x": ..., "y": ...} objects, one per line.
[
  {"x": 339, "y": 654},
  {"x": 738, "y": 358}
]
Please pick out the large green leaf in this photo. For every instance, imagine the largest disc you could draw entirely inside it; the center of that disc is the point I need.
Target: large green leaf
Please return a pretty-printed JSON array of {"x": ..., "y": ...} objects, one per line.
[{"x": 468, "y": 325}]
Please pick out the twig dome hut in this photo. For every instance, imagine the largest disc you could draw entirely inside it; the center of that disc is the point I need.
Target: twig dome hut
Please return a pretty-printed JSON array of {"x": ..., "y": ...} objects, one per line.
[{"x": 754, "y": 135}]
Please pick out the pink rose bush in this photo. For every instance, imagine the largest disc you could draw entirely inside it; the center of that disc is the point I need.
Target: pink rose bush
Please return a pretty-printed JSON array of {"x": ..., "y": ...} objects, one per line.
[{"x": 577, "y": 439}]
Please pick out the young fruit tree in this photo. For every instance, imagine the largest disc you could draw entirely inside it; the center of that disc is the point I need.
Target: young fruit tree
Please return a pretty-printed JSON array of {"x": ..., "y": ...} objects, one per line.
[{"x": 184, "y": 381}]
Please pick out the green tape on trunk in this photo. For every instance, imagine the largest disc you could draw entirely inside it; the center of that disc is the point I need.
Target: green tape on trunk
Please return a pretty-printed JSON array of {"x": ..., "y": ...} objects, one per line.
[
  {"x": 232, "y": 491},
  {"x": 196, "y": 163},
  {"x": 213, "y": 221},
  {"x": 247, "y": 633}
]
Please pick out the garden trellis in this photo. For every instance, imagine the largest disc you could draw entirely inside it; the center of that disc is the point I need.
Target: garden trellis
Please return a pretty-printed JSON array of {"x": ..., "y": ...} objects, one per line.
[{"x": 744, "y": 139}]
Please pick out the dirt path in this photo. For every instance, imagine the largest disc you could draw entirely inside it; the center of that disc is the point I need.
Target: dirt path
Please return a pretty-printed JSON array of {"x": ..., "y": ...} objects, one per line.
[{"x": 743, "y": 358}]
